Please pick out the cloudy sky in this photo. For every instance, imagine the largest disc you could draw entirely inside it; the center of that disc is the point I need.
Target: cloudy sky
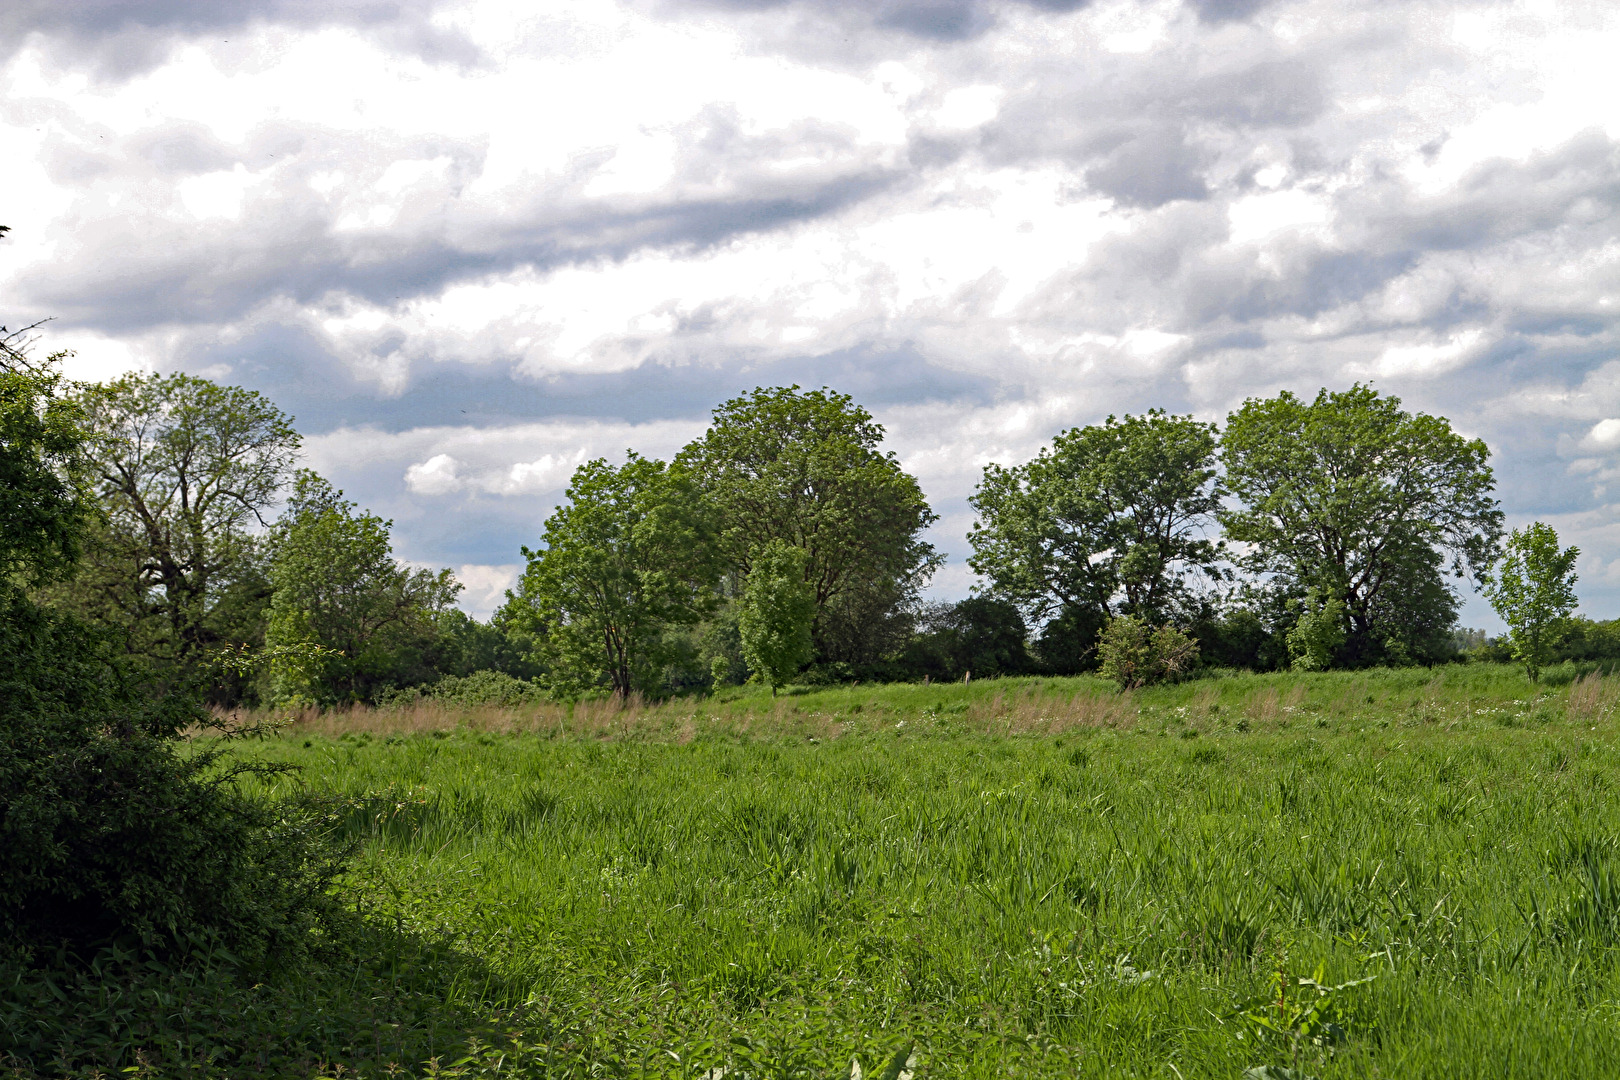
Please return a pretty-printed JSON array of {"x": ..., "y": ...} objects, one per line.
[{"x": 469, "y": 246}]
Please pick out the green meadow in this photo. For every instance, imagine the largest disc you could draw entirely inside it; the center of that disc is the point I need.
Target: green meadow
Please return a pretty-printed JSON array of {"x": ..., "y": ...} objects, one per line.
[{"x": 1394, "y": 873}]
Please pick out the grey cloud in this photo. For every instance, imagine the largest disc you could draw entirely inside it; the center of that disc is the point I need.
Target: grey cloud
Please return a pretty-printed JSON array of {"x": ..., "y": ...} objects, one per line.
[
  {"x": 295, "y": 370},
  {"x": 1150, "y": 169},
  {"x": 1271, "y": 93},
  {"x": 182, "y": 149},
  {"x": 124, "y": 37},
  {"x": 127, "y": 272},
  {"x": 942, "y": 21},
  {"x": 1219, "y": 11}
]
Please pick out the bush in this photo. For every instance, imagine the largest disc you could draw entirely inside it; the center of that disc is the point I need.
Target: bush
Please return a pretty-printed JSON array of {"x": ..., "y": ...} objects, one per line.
[
  {"x": 107, "y": 832},
  {"x": 1133, "y": 654},
  {"x": 485, "y": 688}
]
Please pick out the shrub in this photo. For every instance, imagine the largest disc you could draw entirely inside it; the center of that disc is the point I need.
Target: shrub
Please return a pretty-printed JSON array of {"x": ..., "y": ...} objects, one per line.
[
  {"x": 486, "y": 688},
  {"x": 1134, "y": 654},
  {"x": 108, "y": 832}
]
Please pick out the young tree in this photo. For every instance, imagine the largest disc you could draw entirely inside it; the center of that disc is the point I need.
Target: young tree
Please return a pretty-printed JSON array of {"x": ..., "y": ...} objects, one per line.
[
  {"x": 1110, "y": 520},
  {"x": 805, "y": 468},
  {"x": 1318, "y": 633},
  {"x": 184, "y": 470},
  {"x": 629, "y": 555},
  {"x": 775, "y": 613},
  {"x": 1533, "y": 590},
  {"x": 338, "y": 585},
  {"x": 1366, "y": 503}
]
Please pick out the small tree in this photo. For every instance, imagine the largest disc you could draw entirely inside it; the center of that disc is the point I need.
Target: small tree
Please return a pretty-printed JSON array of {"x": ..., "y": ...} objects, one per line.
[
  {"x": 1133, "y": 654},
  {"x": 338, "y": 584},
  {"x": 1533, "y": 590},
  {"x": 629, "y": 556},
  {"x": 777, "y": 610},
  {"x": 1319, "y": 633}
]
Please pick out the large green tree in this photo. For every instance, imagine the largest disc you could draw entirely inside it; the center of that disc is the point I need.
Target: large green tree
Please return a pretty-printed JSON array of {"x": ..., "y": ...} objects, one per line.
[
  {"x": 1110, "y": 520},
  {"x": 629, "y": 555},
  {"x": 1533, "y": 590},
  {"x": 1372, "y": 506},
  {"x": 337, "y": 584},
  {"x": 805, "y": 467},
  {"x": 185, "y": 472}
]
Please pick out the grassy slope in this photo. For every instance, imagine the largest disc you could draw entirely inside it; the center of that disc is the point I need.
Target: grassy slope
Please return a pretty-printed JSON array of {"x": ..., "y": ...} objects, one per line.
[{"x": 1027, "y": 877}]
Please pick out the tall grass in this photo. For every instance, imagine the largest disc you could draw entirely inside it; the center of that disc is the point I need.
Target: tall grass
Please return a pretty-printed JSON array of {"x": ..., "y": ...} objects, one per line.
[{"x": 1404, "y": 873}]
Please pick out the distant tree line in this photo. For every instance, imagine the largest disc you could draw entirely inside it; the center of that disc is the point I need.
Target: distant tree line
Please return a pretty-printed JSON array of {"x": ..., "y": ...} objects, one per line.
[{"x": 785, "y": 544}]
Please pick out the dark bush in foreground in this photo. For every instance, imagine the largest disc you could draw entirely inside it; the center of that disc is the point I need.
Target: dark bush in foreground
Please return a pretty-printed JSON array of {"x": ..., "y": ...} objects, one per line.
[{"x": 108, "y": 832}]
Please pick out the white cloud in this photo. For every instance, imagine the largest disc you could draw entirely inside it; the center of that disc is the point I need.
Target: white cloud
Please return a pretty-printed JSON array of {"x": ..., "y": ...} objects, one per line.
[
  {"x": 990, "y": 229},
  {"x": 435, "y": 476}
]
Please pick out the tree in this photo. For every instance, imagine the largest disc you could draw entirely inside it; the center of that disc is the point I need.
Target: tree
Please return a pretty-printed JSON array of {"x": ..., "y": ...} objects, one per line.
[
  {"x": 775, "y": 613},
  {"x": 1109, "y": 520},
  {"x": 1319, "y": 632},
  {"x": 184, "y": 471},
  {"x": 338, "y": 585},
  {"x": 1533, "y": 590},
  {"x": 45, "y": 512},
  {"x": 982, "y": 636},
  {"x": 629, "y": 555},
  {"x": 1370, "y": 505},
  {"x": 804, "y": 468}
]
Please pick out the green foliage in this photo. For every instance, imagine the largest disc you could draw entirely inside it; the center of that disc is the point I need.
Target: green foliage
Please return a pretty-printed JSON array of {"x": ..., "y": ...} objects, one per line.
[
  {"x": 1363, "y": 501},
  {"x": 106, "y": 830},
  {"x": 183, "y": 470},
  {"x": 775, "y": 612},
  {"x": 1134, "y": 654},
  {"x": 630, "y": 555},
  {"x": 484, "y": 688},
  {"x": 1533, "y": 590},
  {"x": 1110, "y": 519},
  {"x": 1588, "y": 639},
  {"x": 338, "y": 585},
  {"x": 1319, "y": 632},
  {"x": 43, "y": 517},
  {"x": 465, "y": 645},
  {"x": 982, "y": 637},
  {"x": 804, "y": 468},
  {"x": 1067, "y": 644}
]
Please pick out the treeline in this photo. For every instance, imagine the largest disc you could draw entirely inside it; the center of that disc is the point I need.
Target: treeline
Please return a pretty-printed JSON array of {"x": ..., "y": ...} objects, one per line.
[{"x": 786, "y": 545}]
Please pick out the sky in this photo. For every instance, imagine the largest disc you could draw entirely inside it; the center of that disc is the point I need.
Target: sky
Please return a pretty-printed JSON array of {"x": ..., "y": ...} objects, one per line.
[{"x": 469, "y": 246}]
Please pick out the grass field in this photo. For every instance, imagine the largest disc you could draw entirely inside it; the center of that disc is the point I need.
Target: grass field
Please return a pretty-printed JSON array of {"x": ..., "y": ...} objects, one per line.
[{"x": 1011, "y": 878}]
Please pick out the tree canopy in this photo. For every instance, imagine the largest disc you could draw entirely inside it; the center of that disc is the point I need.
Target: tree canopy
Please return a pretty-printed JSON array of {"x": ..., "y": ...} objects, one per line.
[
  {"x": 1111, "y": 519},
  {"x": 630, "y": 554},
  {"x": 1371, "y": 505},
  {"x": 804, "y": 467},
  {"x": 185, "y": 472}
]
